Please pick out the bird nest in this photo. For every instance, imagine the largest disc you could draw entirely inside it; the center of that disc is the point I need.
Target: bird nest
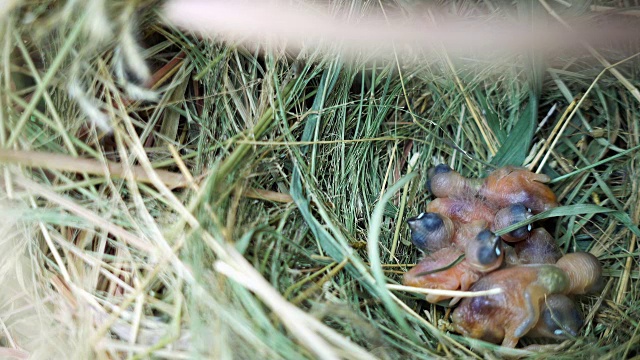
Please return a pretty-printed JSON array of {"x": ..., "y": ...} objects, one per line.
[{"x": 174, "y": 187}]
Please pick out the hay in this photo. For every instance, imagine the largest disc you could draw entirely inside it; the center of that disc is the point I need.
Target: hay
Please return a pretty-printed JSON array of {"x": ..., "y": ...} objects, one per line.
[{"x": 256, "y": 209}]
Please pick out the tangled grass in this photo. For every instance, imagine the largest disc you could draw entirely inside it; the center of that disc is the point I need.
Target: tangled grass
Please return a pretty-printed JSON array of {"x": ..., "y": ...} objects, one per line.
[{"x": 253, "y": 205}]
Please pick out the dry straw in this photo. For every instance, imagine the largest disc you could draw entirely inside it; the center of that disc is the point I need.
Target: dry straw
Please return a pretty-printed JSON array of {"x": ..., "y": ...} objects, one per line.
[{"x": 231, "y": 179}]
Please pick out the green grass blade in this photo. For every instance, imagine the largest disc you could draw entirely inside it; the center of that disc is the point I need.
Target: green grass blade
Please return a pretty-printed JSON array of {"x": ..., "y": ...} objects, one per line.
[
  {"x": 580, "y": 209},
  {"x": 515, "y": 149}
]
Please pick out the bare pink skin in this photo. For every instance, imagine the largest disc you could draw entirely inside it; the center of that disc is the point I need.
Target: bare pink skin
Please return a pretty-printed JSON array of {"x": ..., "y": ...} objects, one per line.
[
  {"x": 453, "y": 185},
  {"x": 508, "y": 316},
  {"x": 508, "y": 216},
  {"x": 466, "y": 233},
  {"x": 584, "y": 271},
  {"x": 463, "y": 210},
  {"x": 457, "y": 277},
  {"x": 538, "y": 248},
  {"x": 513, "y": 185}
]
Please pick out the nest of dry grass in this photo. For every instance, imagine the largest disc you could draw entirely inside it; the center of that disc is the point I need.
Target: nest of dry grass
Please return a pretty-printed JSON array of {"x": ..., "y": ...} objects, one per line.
[{"x": 166, "y": 195}]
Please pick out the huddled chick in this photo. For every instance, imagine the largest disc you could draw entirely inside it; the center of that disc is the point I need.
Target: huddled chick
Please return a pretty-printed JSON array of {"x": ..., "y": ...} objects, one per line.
[{"x": 457, "y": 234}]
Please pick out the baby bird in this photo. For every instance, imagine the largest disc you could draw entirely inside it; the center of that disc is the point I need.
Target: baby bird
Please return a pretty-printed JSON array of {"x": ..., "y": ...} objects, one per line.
[
  {"x": 511, "y": 215},
  {"x": 463, "y": 210},
  {"x": 584, "y": 271},
  {"x": 559, "y": 319},
  {"x": 444, "y": 269},
  {"x": 512, "y": 185},
  {"x": 443, "y": 182},
  {"x": 431, "y": 231},
  {"x": 508, "y": 316},
  {"x": 456, "y": 267},
  {"x": 503, "y": 187},
  {"x": 538, "y": 248}
]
